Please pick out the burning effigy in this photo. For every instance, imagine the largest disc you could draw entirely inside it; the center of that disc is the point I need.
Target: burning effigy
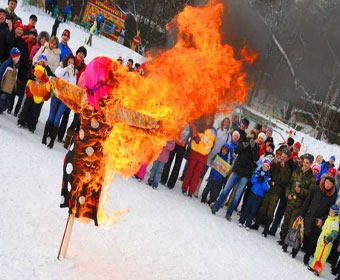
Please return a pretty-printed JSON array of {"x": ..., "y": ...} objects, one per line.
[{"x": 127, "y": 118}]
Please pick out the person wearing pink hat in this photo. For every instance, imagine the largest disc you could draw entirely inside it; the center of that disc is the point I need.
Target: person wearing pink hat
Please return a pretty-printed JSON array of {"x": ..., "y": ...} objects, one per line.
[{"x": 315, "y": 169}]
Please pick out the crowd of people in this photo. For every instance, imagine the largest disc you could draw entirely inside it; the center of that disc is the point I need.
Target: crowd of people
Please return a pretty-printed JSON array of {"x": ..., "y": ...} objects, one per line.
[
  {"x": 28, "y": 58},
  {"x": 268, "y": 182}
]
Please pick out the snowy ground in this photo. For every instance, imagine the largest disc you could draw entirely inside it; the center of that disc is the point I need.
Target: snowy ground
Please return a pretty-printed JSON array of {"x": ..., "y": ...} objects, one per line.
[{"x": 164, "y": 236}]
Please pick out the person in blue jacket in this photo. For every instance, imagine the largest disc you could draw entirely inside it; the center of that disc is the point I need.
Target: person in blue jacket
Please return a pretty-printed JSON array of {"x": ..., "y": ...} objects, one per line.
[
  {"x": 325, "y": 166},
  {"x": 67, "y": 10},
  {"x": 99, "y": 20},
  {"x": 260, "y": 184},
  {"x": 63, "y": 46},
  {"x": 220, "y": 166}
]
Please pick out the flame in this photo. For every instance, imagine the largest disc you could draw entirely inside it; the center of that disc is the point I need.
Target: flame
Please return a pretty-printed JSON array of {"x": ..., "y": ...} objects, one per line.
[{"x": 197, "y": 77}]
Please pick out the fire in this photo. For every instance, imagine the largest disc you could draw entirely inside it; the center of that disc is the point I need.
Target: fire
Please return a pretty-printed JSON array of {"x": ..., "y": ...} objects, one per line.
[{"x": 198, "y": 76}]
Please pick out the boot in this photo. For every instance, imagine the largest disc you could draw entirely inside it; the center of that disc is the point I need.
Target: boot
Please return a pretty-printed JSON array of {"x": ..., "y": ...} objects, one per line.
[
  {"x": 266, "y": 229},
  {"x": 70, "y": 136},
  {"x": 53, "y": 136},
  {"x": 255, "y": 226},
  {"x": 47, "y": 132},
  {"x": 198, "y": 187}
]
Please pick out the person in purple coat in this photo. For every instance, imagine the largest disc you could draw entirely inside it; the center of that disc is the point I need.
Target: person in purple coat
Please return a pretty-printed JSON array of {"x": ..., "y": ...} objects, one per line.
[{"x": 158, "y": 165}]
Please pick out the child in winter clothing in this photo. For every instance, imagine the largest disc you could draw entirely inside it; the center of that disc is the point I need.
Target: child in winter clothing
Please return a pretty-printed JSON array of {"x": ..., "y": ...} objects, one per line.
[
  {"x": 36, "y": 87},
  {"x": 158, "y": 165},
  {"x": 260, "y": 184},
  {"x": 8, "y": 75},
  {"x": 329, "y": 233},
  {"x": 219, "y": 170}
]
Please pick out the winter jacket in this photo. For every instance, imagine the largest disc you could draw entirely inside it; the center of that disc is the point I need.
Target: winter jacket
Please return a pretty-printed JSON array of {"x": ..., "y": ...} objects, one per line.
[
  {"x": 206, "y": 142},
  {"x": 220, "y": 165},
  {"x": 93, "y": 28},
  {"x": 4, "y": 31},
  {"x": 99, "y": 18},
  {"x": 27, "y": 29},
  {"x": 232, "y": 146},
  {"x": 280, "y": 178},
  {"x": 316, "y": 206},
  {"x": 53, "y": 59},
  {"x": 80, "y": 67},
  {"x": 55, "y": 26},
  {"x": 220, "y": 139},
  {"x": 330, "y": 227},
  {"x": 164, "y": 155},
  {"x": 185, "y": 133},
  {"x": 325, "y": 166},
  {"x": 246, "y": 159},
  {"x": 61, "y": 72},
  {"x": 65, "y": 50},
  {"x": 18, "y": 42},
  {"x": 243, "y": 134},
  {"x": 8, "y": 67},
  {"x": 306, "y": 182},
  {"x": 67, "y": 9},
  {"x": 10, "y": 14},
  {"x": 30, "y": 46},
  {"x": 258, "y": 188}
]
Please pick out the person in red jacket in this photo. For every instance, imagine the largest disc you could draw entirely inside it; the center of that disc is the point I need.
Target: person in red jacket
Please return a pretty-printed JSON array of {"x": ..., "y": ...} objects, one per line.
[
  {"x": 31, "y": 40},
  {"x": 31, "y": 24}
]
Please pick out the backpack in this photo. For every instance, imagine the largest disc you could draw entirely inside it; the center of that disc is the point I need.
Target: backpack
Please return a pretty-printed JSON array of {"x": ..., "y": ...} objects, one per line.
[{"x": 294, "y": 237}]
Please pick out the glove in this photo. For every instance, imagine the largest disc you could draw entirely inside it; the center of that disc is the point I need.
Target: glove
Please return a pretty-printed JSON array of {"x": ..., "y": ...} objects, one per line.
[
  {"x": 70, "y": 70},
  {"x": 260, "y": 178},
  {"x": 80, "y": 65},
  {"x": 328, "y": 239}
]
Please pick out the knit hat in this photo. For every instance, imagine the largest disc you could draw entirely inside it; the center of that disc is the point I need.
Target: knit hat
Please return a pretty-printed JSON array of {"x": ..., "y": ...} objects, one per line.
[
  {"x": 287, "y": 152},
  {"x": 270, "y": 129},
  {"x": 332, "y": 157},
  {"x": 13, "y": 1},
  {"x": 67, "y": 33},
  {"x": 262, "y": 136},
  {"x": 316, "y": 166},
  {"x": 332, "y": 171},
  {"x": 83, "y": 50},
  {"x": 290, "y": 141},
  {"x": 270, "y": 139},
  {"x": 335, "y": 209},
  {"x": 45, "y": 35},
  {"x": 297, "y": 144},
  {"x": 3, "y": 11},
  {"x": 18, "y": 24},
  {"x": 33, "y": 31},
  {"x": 42, "y": 57},
  {"x": 15, "y": 52},
  {"x": 267, "y": 162},
  {"x": 120, "y": 59}
]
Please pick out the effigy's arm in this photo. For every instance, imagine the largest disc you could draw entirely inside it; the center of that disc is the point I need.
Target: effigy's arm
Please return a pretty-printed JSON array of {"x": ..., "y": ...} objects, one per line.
[{"x": 73, "y": 96}]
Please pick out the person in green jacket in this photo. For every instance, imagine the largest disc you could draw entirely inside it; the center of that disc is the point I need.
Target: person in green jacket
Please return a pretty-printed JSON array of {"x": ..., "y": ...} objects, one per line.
[
  {"x": 301, "y": 183},
  {"x": 280, "y": 174}
]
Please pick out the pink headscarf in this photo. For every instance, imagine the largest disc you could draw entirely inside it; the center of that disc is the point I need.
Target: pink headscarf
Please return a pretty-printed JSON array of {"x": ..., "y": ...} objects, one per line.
[{"x": 95, "y": 80}]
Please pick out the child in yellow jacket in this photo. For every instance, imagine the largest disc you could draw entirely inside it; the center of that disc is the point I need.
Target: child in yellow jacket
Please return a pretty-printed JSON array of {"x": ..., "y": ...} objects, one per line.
[{"x": 329, "y": 233}]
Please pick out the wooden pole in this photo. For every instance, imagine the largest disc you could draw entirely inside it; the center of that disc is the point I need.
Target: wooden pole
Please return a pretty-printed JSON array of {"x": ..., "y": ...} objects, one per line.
[{"x": 66, "y": 236}]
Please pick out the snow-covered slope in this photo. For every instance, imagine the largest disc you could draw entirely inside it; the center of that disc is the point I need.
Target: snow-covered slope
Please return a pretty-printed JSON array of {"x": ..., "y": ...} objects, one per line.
[{"x": 164, "y": 236}]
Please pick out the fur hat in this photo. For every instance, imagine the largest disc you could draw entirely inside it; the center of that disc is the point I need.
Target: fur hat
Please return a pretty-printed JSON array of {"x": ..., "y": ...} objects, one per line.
[
  {"x": 309, "y": 157},
  {"x": 262, "y": 136},
  {"x": 83, "y": 50},
  {"x": 287, "y": 152}
]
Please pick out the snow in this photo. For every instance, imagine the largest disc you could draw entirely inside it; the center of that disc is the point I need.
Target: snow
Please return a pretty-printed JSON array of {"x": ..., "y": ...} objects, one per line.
[{"x": 164, "y": 236}]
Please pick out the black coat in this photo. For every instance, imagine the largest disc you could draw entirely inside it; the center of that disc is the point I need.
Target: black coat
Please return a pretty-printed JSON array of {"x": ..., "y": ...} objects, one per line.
[
  {"x": 246, "y": 159},
  {"x": 18, "y": 42},
  {"x": 4, "y": 31},
  {"x": 316, "y": 206}
]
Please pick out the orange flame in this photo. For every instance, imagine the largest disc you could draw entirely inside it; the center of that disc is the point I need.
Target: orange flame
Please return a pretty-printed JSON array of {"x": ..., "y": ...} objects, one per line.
[{"x": 198, "y": 76}]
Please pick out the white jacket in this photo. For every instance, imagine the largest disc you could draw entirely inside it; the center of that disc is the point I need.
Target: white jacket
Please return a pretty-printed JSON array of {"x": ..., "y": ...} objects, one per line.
[
  {"x": 61, "y": 72},
  {"x": 53, "y": 56}
]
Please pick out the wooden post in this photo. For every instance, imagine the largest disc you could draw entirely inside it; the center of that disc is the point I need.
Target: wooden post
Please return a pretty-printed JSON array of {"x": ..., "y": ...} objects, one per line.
[{"x": 66, "y": 236}]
